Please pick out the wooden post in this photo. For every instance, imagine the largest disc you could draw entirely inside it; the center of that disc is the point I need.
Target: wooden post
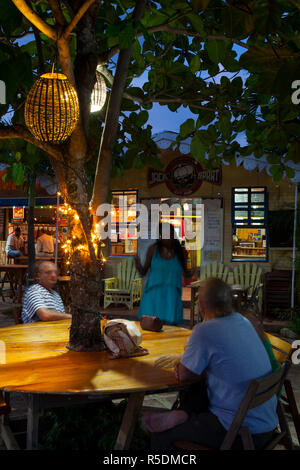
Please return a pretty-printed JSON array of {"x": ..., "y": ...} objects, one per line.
[
  {"x": 32, "y": 422},
  {"x": 133, "y": 408}
]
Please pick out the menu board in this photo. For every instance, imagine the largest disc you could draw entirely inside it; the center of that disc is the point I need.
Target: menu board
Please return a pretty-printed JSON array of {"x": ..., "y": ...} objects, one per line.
[{"x": 213, "y": 232}]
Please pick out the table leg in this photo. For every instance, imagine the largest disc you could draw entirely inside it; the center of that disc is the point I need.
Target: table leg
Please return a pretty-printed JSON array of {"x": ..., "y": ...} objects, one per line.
[
  {"x": 5, "y": 431},
  {"x": 133, "y": 408},
  {"x": 32, "y": 422}
]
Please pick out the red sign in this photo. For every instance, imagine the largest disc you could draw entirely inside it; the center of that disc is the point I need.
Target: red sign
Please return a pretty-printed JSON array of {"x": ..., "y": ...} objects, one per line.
[{"x": 183, "y": 176}]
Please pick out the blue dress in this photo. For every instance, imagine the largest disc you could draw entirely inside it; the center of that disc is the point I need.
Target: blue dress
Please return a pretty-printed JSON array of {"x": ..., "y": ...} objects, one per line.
[{"x": 163, "y": 290}]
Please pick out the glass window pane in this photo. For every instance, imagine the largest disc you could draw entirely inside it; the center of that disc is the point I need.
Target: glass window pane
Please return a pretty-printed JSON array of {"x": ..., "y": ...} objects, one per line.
[
  {"x": 241, "y": 197},
  {"x": 260, "y": 197},
  {"x": 241, "y": 190},
  {"x": 257, "y": 214},
  {"x": 240, "y": 214}
]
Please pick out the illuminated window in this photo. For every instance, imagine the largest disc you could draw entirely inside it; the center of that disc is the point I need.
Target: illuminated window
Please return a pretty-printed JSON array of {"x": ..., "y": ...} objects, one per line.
[
  {"x": 124, "y": 237},
  {"x": 249, "y": 224}
]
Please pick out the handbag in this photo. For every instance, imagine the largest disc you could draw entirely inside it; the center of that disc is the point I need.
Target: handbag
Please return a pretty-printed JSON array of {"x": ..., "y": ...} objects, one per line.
[
  {"x": 123, "y": 339},
  {"x": 151, "y": 323}
]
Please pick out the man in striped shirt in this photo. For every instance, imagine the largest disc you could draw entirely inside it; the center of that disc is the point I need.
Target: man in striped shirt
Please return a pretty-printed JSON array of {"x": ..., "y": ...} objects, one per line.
[{"x": 41, "y": 302}]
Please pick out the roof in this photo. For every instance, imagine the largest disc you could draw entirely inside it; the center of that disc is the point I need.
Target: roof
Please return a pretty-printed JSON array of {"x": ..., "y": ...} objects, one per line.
[{"x": 166, "y": 138}]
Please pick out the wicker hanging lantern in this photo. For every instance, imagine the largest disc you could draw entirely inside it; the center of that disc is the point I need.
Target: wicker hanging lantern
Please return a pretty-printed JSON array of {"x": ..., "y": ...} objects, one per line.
[
  {"x": 98, "y": 96},
  {"x": 52, "y": 108}
]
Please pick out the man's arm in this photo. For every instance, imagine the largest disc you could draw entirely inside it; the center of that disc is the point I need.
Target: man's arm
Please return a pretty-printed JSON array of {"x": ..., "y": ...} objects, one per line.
[
  {"x": 183, "y": 374},
  {"x": 45, "y": 314}
]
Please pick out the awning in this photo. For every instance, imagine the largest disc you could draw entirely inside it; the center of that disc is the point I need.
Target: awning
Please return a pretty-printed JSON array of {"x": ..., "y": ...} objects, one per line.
[{"x": 23, "y": 202}]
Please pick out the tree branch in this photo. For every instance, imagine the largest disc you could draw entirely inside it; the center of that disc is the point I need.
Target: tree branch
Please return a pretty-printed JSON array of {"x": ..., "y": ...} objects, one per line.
[
  {"x": 21, "y": 132},
  {"x": 102, "y": 177},
  {"x": 82, "y": 10},
  {"x": 35, "y": 19},
  {"x": 166, "y": 28},
  {"x": 60, "y": 19}
]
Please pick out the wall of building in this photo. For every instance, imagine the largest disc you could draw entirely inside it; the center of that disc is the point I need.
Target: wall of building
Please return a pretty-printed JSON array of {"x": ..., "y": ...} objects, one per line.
[{"x": 281, "y": 197}]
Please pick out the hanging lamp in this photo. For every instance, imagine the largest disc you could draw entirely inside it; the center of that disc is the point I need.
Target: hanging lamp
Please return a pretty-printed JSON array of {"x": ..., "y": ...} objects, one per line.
[
  {"x": 52, "y": 108},
  {"x": 98, "y": 96}
]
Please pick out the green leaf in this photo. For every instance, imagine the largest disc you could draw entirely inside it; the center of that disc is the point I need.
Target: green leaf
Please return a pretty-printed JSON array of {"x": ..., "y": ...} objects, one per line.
[
  {"x": 196, "y": 23},
  {"x": 195, "y": 64},
  {"x": 273, "y": 159},
  {"x": 216, "y": 50},
  {"x": 198, "y": 150},
  {"x": 290, "y": 172},
  {"x": 200, "y": 5},
  {"x": 187, "y": 128},
  {"x": 127, "y": 36},
  {"x": 141, "y": 118},
  {"x": 18, "y": 173}
]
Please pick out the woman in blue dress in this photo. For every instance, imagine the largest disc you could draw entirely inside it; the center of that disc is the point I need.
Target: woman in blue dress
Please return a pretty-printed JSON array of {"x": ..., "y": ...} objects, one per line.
[{"x": 166, "y": 260}]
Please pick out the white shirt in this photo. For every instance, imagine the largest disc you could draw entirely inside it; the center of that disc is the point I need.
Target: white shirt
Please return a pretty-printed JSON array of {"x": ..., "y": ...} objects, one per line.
[
  {"x": 45, "y": 244},
  {"x": 8, "y": 243}
]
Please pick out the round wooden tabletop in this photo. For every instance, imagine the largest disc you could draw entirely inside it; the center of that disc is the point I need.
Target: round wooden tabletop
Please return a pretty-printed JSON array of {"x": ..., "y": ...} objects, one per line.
[{"x": 34, "y": 359}]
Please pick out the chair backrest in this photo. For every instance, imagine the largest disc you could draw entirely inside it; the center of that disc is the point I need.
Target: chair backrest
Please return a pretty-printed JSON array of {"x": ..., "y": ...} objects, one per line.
[
  {"x": 282, "y": 349},
  {"x": 247, "y": 275},
  {"x": 214, "y": 270},
  {"x": 126, "y": 273},
  {"x": 258, "y": 392}
]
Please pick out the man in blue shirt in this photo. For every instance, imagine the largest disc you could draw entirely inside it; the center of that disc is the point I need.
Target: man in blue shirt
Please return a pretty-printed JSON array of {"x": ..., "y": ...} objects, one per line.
[{"x": 225, "y": 352}]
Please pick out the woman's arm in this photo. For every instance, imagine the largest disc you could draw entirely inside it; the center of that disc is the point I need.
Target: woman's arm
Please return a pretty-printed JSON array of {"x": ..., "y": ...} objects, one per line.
[{"x": 144, "y": 269}]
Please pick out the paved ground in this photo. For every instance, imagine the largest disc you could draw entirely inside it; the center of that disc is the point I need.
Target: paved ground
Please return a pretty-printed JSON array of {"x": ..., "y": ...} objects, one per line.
[{"x": 161, "y": 400}]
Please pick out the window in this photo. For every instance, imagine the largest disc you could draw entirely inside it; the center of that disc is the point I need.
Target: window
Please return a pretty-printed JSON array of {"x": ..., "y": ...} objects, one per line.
[
  {"x": 249, "y": 224},
  {"x": 124, "y": 233}
]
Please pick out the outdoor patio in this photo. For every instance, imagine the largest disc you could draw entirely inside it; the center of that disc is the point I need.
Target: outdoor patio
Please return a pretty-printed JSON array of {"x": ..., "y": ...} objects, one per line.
[{"x": 160, "y": 400}]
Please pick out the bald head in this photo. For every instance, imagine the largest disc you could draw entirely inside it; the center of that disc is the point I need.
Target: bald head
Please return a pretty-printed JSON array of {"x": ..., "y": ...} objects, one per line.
[
  {"x": 216, "y": 297},
  {"x": 46, "y": 274}
]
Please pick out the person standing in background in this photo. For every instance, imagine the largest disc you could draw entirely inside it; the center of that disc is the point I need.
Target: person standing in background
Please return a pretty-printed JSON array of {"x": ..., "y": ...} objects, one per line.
[{"x": 45, "y": 245}]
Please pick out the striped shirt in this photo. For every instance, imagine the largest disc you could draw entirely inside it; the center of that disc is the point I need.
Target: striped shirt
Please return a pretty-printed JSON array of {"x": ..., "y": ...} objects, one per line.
[{"x": 37, "y": 296}]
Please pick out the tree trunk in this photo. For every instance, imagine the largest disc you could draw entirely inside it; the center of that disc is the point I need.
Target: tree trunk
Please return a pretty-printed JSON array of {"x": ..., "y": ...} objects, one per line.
[
  {"x": 85, "y": 270},
  {"x": 85, "y": 332}
]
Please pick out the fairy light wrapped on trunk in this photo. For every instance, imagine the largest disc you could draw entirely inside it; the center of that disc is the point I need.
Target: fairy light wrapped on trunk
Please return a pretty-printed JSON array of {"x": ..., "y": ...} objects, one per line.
[
  {"x": 52, "y": 108},
  {"x": 98, "y": 96}
]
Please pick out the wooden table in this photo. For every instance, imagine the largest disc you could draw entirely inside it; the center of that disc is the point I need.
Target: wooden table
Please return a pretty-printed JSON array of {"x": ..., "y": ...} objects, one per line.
[
  {"x": 34, "y": 360},
  {"x": 16, "y": 274}
]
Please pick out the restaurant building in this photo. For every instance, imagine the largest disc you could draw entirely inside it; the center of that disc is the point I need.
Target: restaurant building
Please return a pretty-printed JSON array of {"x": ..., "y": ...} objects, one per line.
[
  {"x": 14, "y": 209},
  {"x": 247, "y": 217}
]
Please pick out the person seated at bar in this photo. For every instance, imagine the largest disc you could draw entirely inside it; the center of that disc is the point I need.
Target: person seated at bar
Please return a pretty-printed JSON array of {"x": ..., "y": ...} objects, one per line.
[
  {"x": 45, "y": 244},
  {"x": 223, "y": 354},
  {"x": 15, "y": 244},
  {"x": 41, "y": 302}
]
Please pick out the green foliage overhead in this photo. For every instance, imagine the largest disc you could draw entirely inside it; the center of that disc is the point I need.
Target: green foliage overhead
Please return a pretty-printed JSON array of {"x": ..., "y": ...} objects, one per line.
[{"x": 232, "y": 64}]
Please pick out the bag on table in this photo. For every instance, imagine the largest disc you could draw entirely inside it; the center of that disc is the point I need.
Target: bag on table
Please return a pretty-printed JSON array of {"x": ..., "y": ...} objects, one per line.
[
  {"x": 122, "y": 338},
  {"x": 151, "y": 323}
]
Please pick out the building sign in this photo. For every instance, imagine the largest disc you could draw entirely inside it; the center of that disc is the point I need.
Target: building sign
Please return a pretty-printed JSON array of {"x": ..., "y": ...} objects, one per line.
[
  {"x": 183, "y": 176},
  {"x": 18, "y": 213}
]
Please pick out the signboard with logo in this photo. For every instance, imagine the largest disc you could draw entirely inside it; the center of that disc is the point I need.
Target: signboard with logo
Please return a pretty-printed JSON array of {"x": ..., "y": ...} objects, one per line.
[{"x": 183, "y": 176}]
